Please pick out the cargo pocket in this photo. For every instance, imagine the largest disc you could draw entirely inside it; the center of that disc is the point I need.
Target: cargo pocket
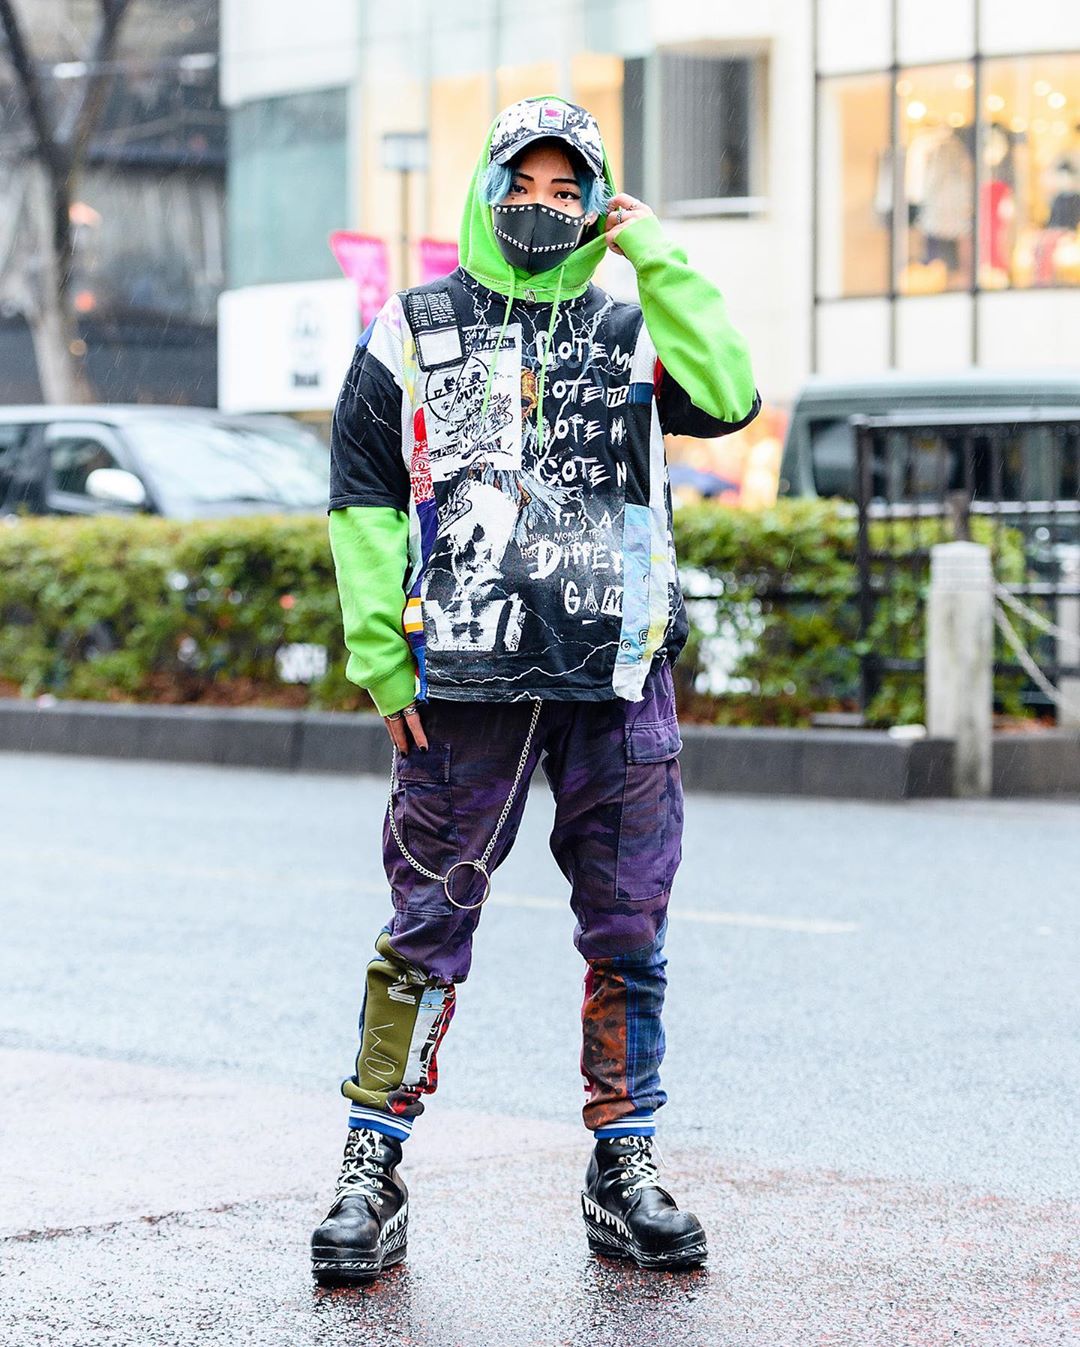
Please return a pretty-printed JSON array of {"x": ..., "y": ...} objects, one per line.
[
  {"x": 424, "y": 807},
  {"x": 651, "y": 822}
]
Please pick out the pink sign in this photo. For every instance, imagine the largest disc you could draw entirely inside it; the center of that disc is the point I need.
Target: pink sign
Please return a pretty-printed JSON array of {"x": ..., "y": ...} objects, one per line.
[
  {"x": 363, "y": 258},
  {"x": 437, "y": 258}
]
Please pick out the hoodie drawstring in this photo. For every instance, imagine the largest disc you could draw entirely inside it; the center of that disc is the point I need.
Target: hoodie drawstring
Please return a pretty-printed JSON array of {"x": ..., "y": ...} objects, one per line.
[
  {"x": 545, "y": 355},
  {"x": 544, "y": 363}
]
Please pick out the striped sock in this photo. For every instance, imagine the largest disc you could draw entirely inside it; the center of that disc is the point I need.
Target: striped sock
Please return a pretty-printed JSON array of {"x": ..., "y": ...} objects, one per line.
[
  {"x": 641, "y": 1123},
  {"x": 389, "y": 1124}
]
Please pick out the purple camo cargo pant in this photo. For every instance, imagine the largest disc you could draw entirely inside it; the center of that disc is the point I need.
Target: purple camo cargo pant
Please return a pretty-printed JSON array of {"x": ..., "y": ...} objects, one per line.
[{"x": 614, "y": 773}]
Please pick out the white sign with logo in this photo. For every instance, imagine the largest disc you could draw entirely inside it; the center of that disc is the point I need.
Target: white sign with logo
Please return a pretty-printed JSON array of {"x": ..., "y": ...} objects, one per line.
[{"x": 285, "y": 348}]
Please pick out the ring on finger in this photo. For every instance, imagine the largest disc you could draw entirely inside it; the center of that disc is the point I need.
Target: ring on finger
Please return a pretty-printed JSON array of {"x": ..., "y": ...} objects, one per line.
[{"x": 618, "y": 214}]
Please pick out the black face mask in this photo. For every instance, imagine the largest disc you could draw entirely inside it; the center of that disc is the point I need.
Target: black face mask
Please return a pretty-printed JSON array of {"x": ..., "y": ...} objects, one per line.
[{"x": 535, "y": 237}]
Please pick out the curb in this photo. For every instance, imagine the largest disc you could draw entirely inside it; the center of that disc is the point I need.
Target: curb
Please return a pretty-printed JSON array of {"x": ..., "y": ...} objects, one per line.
[
  {"x": 290, "y": 741},
  {"x": 838, "y": 764}
]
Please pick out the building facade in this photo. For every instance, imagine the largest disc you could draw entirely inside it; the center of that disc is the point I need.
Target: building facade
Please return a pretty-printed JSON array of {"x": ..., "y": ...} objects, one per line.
[
  {"x": 149, "y": 212},
  {"x": 947, "y": 185},
  {"x": 873, "y": 183}
]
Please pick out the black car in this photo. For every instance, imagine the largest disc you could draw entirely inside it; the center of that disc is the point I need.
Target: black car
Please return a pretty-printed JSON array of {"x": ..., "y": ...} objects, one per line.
[
  {"x": 181, "y": 462},
  {"x": 1028, "y": 411}
]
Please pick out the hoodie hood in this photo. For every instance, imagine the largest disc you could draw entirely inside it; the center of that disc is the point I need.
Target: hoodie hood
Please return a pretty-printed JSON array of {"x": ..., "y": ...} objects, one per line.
[{"x": 513, "y": 129}]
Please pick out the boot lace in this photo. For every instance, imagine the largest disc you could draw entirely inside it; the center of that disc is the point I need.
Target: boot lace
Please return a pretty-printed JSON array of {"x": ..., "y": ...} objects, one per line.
[
  {"x": 361, "y": 1169},
  {"x": 637, "y": 1166}
]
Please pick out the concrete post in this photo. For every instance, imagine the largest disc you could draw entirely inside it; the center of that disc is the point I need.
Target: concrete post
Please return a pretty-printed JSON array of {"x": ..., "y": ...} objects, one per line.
[
  {"x": 1068, "y": 652},
  {"x": 959, "y": 660}
]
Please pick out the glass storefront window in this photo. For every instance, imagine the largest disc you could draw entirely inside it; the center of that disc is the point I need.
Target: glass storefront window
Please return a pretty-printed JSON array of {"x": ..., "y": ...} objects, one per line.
[
  {"x": 935, "y": 250},
  {"x": 1012, "y": 176},
  {"x": 855, "y": 198},
  {"x": 710, "y": 125},
  {"x": 288, "y": 186},
  {"x": 1030, "y": 189}
]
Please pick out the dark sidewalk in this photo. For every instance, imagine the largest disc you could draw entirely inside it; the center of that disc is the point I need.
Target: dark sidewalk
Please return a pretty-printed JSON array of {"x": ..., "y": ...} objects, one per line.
[{"x": 144, "y": 1205}]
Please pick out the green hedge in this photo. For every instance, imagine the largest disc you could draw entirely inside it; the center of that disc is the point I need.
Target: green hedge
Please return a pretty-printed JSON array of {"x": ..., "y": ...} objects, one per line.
[
  {"x": 153, "y": 610},
  {"x": 803, "y": 653}
]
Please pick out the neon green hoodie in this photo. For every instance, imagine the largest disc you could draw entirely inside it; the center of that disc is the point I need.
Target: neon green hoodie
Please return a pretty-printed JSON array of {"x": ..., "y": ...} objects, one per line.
[{"x": 375, "y": 533}]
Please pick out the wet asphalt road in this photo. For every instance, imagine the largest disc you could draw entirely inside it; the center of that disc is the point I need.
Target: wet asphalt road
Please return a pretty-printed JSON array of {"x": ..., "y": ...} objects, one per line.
[{"x": 872, "y": 1065}]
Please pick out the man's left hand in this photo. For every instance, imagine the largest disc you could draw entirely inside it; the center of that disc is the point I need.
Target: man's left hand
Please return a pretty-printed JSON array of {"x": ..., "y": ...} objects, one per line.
[{"x": 623, "y": 210}]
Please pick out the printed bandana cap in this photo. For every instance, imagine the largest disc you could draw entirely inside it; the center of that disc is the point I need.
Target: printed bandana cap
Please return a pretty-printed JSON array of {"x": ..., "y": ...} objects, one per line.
[{"x": 537, "y": 119}]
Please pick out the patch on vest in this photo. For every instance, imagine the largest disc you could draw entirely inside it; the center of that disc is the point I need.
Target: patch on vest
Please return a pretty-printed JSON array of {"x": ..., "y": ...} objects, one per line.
[
  {"x": 454, "y": 400},
  {"x": 435, "y": 327}
]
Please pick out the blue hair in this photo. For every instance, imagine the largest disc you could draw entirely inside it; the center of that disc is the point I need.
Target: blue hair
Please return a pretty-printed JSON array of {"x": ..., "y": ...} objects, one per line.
[
  {"x": 495, "y": 183},
  {"x": 498, "y": 179}
]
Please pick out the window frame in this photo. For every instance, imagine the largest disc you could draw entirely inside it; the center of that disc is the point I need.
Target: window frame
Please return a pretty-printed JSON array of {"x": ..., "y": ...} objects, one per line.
[
  {"x": 977, "y": 64},
  {"x": 657, "y": 69},
  {"x": 265, "y": 134}
]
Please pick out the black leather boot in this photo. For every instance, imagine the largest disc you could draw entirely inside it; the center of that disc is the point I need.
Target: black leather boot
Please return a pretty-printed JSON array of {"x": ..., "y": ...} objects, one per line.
[
  {"x": 365, "y": 1230},
  {"x": 628, "y": 1214}
]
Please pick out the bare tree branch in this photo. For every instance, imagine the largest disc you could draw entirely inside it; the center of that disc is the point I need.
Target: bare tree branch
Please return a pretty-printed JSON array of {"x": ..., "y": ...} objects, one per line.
[
  {"x": 43, "y": 274},
  {"x": 80, "y": 124},
  {"x": 13, "y": 185},
  {"x": 33, "y": 96}
]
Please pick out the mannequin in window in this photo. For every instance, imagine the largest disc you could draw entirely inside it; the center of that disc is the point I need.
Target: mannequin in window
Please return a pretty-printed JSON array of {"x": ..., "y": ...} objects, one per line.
[
  {"x": 998, "y": 205},
  {"x": 925, "y": 139},
  {"x": 1063, "y": 180},
  {"x": 1062, "y": 183},
  {"x": 946, "y": 210},
  {"x": 924, "y": 142}
]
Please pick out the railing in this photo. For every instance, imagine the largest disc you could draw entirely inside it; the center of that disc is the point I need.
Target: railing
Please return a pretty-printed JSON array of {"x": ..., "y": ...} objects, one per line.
[{"x": 1014, "y": 484}]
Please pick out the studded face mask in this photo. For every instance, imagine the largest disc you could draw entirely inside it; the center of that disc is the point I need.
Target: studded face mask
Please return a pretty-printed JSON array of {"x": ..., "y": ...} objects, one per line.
[{"x": 535, "y": 237}]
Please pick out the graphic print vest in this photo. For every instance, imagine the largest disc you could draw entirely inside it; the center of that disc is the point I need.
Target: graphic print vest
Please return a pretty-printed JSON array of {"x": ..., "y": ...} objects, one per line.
[{"x": 535, "y": 569}]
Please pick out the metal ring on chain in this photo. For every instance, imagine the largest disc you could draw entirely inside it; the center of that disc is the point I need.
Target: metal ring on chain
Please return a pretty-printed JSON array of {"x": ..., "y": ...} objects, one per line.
[
  {"x": 481, "y": 864},
  {"x": 474, "y": 865}
]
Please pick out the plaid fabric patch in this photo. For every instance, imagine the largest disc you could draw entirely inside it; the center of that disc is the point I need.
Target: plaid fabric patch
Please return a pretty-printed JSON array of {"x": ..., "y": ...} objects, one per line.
[{"x": 623, "y": 1034}]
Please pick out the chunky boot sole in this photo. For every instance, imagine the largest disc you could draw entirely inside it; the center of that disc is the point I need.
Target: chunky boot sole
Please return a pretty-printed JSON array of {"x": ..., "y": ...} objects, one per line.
[
  {"x": 610, "y": 1236},
  {"x": 332, "y": 1266}
]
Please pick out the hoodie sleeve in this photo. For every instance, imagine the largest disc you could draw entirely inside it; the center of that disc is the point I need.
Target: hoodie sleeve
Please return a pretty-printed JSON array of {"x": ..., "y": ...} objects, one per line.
[
  {"x": 369, "y": 520},
  {"x": 707, "y": 384}
]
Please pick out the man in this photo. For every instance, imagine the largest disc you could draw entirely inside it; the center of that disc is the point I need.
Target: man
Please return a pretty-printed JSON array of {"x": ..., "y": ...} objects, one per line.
[{"x": 501, "y": 526}]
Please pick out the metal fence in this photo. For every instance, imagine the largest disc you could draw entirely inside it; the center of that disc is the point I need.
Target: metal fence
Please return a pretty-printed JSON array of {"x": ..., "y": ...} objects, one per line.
[{"x": 1014, "y": 485}]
